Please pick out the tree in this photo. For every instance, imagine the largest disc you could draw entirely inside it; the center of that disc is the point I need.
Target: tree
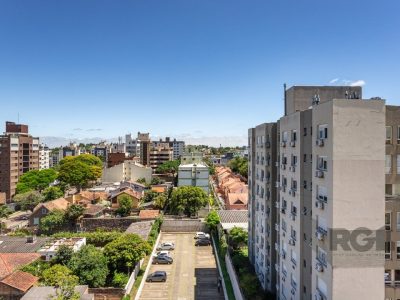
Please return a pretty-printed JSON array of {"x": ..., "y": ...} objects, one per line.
[
  {"x": 160, "y": 200},
  {"x": 210, "y": 164},
  {"x": 90, "y": 265},
  {"x": 155, "y": 180},
  {"x": 52, "y": 192},
  {"x": 64, "y": 255},
  {"x": 124, "y": 252},
  {"x": 212, "y": 220},
  {"x": 239, "y": 165},
  {"x": 149, "y": 196},
  {"x": 187, "y": 200},
  {"x": 169, "y": 167},
  {"x": 125, "y": 205},
  {"x": 79, "y": 171},
  {"x": 119, "y": 279},
  {"x": 51, "y": 275},
  {"x": 4, "y": 211},
  {"x": 141, "y": 180},
  {"x": 35, "y": 180},
  {"x": 52, "y": 222},
  {"x": 238, "y": 237},
  {"x": 28, "y": 200},
  {"x": 73, "y": 212}
]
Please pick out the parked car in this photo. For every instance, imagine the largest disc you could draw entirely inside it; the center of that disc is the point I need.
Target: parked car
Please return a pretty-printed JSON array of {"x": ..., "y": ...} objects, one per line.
[
  {"x": 166, "y": 246},
  {"x": 165, "y": 260},
  {"x": 202, "y": 242},
  {"x": 201, "y": 235},
  {"x": 157, "y": 276},
  {"x": 161, "y": 253}
]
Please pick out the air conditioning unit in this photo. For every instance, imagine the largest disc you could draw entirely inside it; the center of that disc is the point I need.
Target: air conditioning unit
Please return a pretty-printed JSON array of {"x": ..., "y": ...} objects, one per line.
[
  {"x": 277, "y": 227},
  {"x": 292, "y": 242},
  {"x": 276, "y": 246},
  {"x": 293, "y": 217},
  {"x": 292, "y": 143},
  {"x": 319, "y": 204},
  {"x": 283, "y": 144},
  {"x": 277, "y": 184},
  {"x": 319, "y": 174},
  {"x": 319, "y": 142},
  {"x": 283, "y": 254},
  {"x": 277, "y": 204},
  {"x": 277, "y": 164},
  {"x": 319, "y": 267}
]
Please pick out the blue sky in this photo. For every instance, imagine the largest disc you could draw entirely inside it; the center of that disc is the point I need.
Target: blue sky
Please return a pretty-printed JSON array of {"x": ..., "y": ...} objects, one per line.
[{"x": 187, "y": 68}]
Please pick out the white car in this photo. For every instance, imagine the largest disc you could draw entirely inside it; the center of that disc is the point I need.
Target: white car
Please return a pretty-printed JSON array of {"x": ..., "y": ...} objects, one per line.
[
  {"x": 201, "y": 235},
  {"x": 166, "y": 246}
]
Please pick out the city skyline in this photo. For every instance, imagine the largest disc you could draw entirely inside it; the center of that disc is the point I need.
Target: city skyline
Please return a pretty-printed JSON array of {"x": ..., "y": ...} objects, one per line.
[{"x": 77, "y": 70}]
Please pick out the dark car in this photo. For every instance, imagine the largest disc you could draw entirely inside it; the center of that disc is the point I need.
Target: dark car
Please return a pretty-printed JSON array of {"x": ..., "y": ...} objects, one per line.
[
  {"x": 202, "y": 242},
  {"x": 163, "y": 259},
  {"x": 158, "y": 276}
]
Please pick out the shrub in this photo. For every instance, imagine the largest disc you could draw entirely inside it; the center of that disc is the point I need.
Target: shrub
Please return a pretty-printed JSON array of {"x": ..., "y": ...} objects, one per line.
[
  {"x": 97, "y": 238},
  {"x": 155, "y": 229},
  {"x": 120, "y": 279}
]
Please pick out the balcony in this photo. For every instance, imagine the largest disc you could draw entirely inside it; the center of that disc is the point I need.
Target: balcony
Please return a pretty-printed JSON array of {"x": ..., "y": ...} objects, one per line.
[
  {"x": 294, "y": 262},
  {"x": 321, "y": 233},
  {"x": 319, "y": 295},
  {"x": 319, "y": 267}
]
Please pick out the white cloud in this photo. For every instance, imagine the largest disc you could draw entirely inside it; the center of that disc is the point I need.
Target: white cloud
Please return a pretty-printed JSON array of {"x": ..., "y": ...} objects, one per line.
[
  {"x": 358, "y": 83},
  {"x": 334, "y": 81}
]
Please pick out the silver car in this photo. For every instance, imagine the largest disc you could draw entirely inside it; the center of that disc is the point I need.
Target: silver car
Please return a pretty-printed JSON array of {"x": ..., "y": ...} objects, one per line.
[{"x": 166, "y": 246}]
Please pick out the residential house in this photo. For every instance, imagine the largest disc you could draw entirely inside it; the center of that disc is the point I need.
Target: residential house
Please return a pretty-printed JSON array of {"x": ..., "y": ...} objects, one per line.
[
  {"x": 15, "y": 285},
  {"x": 135, "y": 196},
  {"x": 49, "y": 251},
  {"x": 236, "y": 201},
  {"x": 49, "y": 292},
  {"x": 43, "y": 209}
]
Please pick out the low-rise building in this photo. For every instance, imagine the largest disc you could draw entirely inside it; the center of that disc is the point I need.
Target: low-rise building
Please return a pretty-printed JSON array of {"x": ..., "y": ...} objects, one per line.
[
  {"x": 15, "y": 285},
  {"x": 49, "y": 251},
  {"x": 43, "y": 209},
  {"x": 130, "y": 170},
  {"x": 194, "y": 175},
  {"x": 135, "y": 196},
  {"x": 49, "y": 292}
]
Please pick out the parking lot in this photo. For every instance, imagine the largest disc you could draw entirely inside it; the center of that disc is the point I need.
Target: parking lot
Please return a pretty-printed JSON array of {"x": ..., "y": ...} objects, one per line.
[{"x": 192, "y": 275}]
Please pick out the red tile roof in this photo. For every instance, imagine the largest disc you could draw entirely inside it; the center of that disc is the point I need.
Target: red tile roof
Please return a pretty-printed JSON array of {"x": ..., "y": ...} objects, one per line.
[
  {"x": 130, "y": 192},
  {"x": 20, "y": 280},
  {"x": 149, "y": 213},
  {"x": 60, "y": 204},
  {"x": 12, "y": 261},
  {"x": 235, "y": 199}
]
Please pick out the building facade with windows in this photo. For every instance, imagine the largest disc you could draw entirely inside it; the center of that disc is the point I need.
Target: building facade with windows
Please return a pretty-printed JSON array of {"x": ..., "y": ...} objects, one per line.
[
  {"x": 19, "y": 153},
  {"x": 329, "y": 148},
  {"x": 44, "y": 157}
]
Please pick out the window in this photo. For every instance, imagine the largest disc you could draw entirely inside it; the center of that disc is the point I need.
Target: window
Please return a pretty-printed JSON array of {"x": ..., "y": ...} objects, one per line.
[
  {"x": 305, "y": 184},
  {"x": 398, "y": 164},
  {"x": 398, "y": 134},
  {"x": 388, "y": 275},
  {"x": 396, "y": 275},
  {"x": 305, "y": 131},
  {"x": 284, "y": 136},
  {"x": 294, "y": 135},
  {"x": 305, "y": 158},
  {"x": 398, "y": 222},
  {"x": 388, "y": 163},
  {"x": 322, "y": 163},
  {"x": 323, "y": 132},
  {"x": 387, "y": 220},
  {"x": 397, "y": 250},
  {"x": 387, "y": 250},
  {"x": 388, "y": 134}
]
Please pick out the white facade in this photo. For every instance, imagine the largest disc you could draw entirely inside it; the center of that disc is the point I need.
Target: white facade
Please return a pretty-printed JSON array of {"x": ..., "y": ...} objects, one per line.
[
  {"x": 127, "y": 171},
  {"x": 48, "y": 252},
  {"x": 44, "y": 157},
  {"x": 194, "y": 175}
]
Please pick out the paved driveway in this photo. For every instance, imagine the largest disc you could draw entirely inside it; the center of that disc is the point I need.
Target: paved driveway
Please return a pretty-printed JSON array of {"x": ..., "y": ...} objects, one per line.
[{"x": 192, "y": 276}]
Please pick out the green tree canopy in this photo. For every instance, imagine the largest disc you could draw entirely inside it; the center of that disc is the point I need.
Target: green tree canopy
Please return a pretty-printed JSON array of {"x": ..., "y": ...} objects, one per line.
[
  {"x": 160, "y": 200},
  {"x": 90, "y": 265},
  {"x": 4, "y": 211},
  {"x": 149, "y": 196},
  {"x": 73, "y": 212},
  {"x": 63, "y": 255},
  {"x": 124, "y": 252},
  {"x": 238, "y": 237},
  {"x": 212, "y": 220},
  {"x": 35, "y": 180},
  {"x": 28, "y": 200},
  {"x": 51, "y": 275},
  {"x": 187, "y": 200},
  {"x": 239, "y": 165},
  {"x": 79, "y": 171},
  {"x": 125, "y": 205},
  {"x": 169, "y": 167},
  {"x": 52, "y": 222},
  {"x": 52, "y": 192}
]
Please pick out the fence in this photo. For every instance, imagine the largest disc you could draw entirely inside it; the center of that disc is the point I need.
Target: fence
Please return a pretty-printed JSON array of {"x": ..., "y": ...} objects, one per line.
[
  {"x": 183, "y": 225},
  {"x": 132, "y": 278},
  {"x": 234, "y": 278}
]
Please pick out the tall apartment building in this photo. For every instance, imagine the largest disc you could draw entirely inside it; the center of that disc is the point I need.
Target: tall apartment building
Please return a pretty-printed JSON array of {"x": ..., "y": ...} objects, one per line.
[
  {"x": 178, "y": 147},
  {"x": 44, "y": 157},
  {"x": 159, "y": 155},
  {"x": 145, "y": 145},
  {"x": 19, "y": 153},
  {"x": 132, "y": 146},
  {"x": 329, "y": 152}
]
